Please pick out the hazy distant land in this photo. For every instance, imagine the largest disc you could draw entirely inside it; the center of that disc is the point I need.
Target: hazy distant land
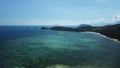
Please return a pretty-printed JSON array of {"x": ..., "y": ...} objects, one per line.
[{"x": 112, "y": 31}]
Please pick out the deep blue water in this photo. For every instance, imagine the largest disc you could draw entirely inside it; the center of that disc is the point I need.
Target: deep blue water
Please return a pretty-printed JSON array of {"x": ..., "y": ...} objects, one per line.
[
  {"x": 12, "y": 32},
  {"x": 31, "y": 47}
]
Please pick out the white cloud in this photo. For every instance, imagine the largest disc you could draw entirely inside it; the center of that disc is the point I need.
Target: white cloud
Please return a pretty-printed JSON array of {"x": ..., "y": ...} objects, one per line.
[
  {"x": 103, "y": 21},
  {"x": 55, "y": 22},
  {"x": 97, "y": 22}
]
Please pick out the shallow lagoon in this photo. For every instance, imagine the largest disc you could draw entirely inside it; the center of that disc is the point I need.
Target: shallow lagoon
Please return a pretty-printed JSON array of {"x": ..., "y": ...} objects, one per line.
[{"x": 59, "y": 49}]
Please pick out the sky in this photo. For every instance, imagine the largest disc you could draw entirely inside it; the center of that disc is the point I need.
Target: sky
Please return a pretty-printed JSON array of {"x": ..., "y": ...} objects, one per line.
[{"x": 59, "y": 12}]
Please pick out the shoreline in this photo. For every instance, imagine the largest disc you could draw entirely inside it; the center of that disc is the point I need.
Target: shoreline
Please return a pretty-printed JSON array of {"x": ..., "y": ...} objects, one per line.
[
  {"x": 98, "y": 33},
  {"x": 116, "y": 40}
]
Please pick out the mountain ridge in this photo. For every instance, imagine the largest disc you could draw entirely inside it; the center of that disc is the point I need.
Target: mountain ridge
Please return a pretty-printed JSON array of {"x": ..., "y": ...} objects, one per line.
[{"x": 112, "y": 31}]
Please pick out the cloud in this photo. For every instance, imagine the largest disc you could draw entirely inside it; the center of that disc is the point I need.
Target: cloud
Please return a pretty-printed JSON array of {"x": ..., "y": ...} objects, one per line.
[
  {"x": 103, "y": 21},
  {"x": 55, "y": 22},
  {"x": 95, "y": 22},
  {"x": 99, "y": 21}
]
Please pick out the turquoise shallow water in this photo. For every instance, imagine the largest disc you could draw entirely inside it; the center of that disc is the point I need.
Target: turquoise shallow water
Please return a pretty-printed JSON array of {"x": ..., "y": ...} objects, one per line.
[{"x": 59, "y": 49}]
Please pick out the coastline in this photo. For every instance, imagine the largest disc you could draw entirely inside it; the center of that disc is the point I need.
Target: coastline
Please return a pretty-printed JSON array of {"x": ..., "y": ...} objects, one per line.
[
  {"x": 94, "y": 32},
  {"x": 111, "y": 32},
  {"x": 116, "y": 40}
]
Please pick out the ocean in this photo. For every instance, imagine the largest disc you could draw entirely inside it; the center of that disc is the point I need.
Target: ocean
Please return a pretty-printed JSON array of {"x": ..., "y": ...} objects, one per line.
[{"x": 31, "y": 47}]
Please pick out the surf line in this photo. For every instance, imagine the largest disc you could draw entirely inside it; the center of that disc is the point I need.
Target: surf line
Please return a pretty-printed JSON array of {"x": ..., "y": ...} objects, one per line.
[{"x": 116, "y": 40}]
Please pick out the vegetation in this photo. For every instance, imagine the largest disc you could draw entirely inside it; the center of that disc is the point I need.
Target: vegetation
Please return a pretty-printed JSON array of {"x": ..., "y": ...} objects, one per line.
[{"x": 112, "y": 31}]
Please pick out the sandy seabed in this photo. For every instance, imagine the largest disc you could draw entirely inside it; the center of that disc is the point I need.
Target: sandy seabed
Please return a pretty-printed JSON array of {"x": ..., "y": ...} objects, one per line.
[{"x": 61, "y": 50}]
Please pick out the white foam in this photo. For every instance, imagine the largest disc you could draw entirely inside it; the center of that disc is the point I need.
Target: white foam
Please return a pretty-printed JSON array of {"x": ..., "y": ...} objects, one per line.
[{"x": 116, "y": 40}]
